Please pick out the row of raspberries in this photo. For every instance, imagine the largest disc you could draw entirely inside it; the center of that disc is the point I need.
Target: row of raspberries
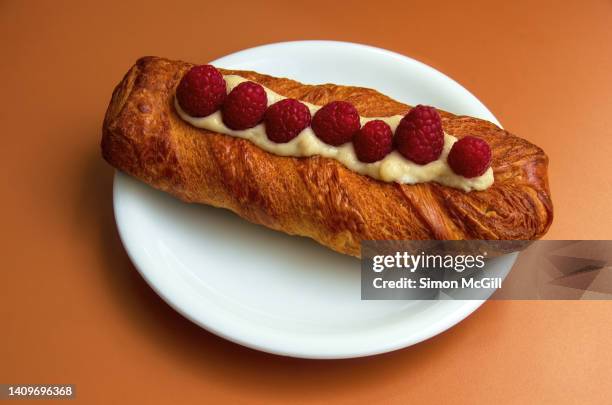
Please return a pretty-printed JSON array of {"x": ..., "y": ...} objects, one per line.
[{"x": 419, "y": 136}]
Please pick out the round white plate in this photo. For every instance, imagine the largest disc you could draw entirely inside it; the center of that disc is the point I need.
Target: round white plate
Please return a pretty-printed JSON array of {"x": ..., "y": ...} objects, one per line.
[{"x": 267, "y": 290}]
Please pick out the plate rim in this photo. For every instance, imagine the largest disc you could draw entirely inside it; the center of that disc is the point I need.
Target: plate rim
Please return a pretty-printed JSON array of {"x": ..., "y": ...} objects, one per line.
[{"x": 463, "y": 309}]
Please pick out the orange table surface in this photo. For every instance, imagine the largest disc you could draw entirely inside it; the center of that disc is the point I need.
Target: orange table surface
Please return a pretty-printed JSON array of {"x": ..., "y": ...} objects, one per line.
[{"x": 73, "y": 308}]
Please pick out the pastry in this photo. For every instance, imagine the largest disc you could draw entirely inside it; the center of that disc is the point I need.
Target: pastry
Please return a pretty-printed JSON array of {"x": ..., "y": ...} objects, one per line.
[{"x": 317, "y": 166}]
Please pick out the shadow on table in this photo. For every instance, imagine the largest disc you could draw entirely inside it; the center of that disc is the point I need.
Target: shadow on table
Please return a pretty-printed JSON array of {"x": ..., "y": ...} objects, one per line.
[{"x": 222, "y": 361}]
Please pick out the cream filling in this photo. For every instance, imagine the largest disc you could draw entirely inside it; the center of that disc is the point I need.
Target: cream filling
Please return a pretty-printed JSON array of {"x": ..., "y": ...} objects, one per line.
[{"x": 393, "y": 168}]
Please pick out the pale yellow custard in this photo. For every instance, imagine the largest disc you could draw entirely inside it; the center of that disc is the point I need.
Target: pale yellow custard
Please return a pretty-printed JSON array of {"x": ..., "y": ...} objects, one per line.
[{"x": 393, "y": 168}]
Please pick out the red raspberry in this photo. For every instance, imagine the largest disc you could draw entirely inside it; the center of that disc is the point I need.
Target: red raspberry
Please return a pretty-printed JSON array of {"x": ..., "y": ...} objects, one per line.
[
  {"x": 286, "y": 119},
  {"x": 245, "y": 106},
  {"x": 201, "y": 91},
  {"x": 419, "y": 136},
  {"x": 336, "y": 123},
  {"x": 470, "y": 157},
  {"x": 374, "y": 141}
]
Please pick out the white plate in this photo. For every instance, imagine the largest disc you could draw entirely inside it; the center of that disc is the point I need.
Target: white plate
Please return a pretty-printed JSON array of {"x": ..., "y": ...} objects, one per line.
[{"x": 269, "y": 291}]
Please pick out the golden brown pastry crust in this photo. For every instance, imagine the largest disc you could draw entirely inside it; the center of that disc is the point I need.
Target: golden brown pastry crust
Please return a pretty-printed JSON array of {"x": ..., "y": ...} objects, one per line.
[{"x": 317, "y": 197}]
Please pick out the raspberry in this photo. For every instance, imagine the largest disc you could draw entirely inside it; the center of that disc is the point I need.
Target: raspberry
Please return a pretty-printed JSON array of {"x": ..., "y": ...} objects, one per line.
[
  {"x": 245, "y": 106},
  {"x": 336, "y": 123},
  {"x": 374, "y": 141},
  {"x": 470, "y": 157},
  {"x": 201, "y": 91},
  {"x": 286, "y": 119},
  {"x": 419, "y": 136}
]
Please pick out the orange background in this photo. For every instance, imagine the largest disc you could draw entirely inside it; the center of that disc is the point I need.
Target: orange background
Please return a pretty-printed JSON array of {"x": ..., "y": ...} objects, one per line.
[{"x": 74, "y": 310}]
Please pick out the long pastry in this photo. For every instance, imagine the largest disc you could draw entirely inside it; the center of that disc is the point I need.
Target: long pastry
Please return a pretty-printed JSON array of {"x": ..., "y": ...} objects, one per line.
[{"x": 338, "y": 164}]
